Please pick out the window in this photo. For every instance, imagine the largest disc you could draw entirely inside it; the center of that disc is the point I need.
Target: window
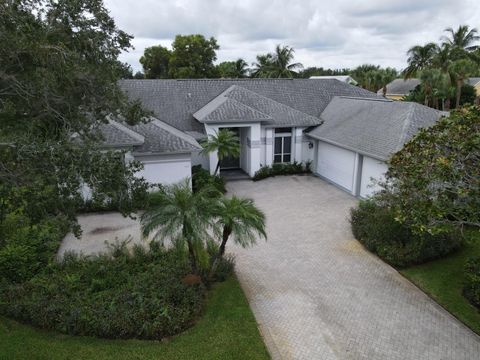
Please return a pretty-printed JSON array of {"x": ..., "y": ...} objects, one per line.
[{"x": 282, "y": 147}]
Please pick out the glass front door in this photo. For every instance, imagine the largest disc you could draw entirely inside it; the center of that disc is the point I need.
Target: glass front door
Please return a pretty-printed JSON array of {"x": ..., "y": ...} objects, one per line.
[
  {"x": 231, "y": 162},
  {"x": 282, "y": 151}
]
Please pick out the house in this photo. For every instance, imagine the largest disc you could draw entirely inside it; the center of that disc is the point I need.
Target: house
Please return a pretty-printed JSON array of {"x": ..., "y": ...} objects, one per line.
[
  {"x": 475, "y": 82},
  {"x": 344, "y": 78},
  {"x": 346, "y": 132},
  {"x": 399, "y": 88}
]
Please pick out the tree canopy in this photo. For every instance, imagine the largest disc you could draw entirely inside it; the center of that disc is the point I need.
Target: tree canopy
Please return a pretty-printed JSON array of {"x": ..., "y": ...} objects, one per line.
[
  {"x": 155, "y": 62},
  {"x": 434, "y": 181},
  {"x": 58, "y": 82}
]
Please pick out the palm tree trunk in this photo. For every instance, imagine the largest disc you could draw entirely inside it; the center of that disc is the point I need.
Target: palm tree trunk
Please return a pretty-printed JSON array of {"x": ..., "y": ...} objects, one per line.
[
  {"x": 459, "y": 93},
  {"x": 217, "y": 168},
  {"x": 221, "y": 251},
  {"x": 384, "y": 90},
  {"x": 447, "y": 104},
  {"x": 191, "y": 251}
]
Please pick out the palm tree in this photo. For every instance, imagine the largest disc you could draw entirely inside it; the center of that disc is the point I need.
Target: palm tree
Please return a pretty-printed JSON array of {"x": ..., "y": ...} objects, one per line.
[
  {"x": 240, "y": 69},
  {"x": 419, "y": 58},
  {"x": 181, "y": 216},
  {"x": 282, "y": 66},
  {"x": 433, "y": 85},
  {"x": 462, "y": 38},
  {"x": 461, "y": 70},
  {"x": 239, "y": 218},
  {"x": 225, "y": 142},
  {"x": 263, "y": 66}
]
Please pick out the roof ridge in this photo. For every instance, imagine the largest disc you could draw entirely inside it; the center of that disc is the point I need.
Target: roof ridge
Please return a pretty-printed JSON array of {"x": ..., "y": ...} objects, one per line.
[
  {"x": 382, "y": 99},
  {"x": 406, "y": 125}
]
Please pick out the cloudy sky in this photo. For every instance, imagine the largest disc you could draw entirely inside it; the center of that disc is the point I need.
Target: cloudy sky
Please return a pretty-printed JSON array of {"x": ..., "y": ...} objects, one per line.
[{"x": 332, "y": 34}]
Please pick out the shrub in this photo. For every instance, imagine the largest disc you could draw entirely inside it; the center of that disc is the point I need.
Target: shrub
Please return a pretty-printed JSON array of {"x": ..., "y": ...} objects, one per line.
[
  {"x": 139, "y": 295},
  {"x": 376, "y": 228},
  {"x": 471, "y": 289},
  {"x": 27, "y": 248},
  {"x": 202, "y": 178},
  {"x": 282, "y": 169},
  {"x": 225, "y": 267}
]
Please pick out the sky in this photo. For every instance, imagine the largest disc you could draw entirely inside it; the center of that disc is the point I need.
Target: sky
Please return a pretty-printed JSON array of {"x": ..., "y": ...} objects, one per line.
[{"x": 331, "y": 34}]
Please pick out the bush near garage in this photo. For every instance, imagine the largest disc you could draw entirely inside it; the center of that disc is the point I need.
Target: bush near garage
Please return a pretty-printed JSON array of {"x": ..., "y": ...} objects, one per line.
[
  {"x": 374, "y": 225},
  {"x": 202, "y": 178}
]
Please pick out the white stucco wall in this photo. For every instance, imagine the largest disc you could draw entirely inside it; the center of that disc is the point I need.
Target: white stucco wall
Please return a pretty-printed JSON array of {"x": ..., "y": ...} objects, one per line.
[
  {"x": 336, "y": 164},
  {"x": 199, "y": 159},
  {"x": 371, "y": 168},
  {"x": 165, "y": 169}
]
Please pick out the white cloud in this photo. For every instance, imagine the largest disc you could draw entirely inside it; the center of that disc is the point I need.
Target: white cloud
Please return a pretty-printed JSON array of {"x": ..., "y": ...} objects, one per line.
[{"x": 333, "y": 34}]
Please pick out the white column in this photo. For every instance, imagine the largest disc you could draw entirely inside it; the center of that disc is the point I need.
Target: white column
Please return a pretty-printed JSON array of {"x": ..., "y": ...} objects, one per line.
[
  {"x": 298, "y": 136},
  {"x": 254, "y": 146},
  {"x": 212, "y": 157},
  {"x": 268, "y": 147}
]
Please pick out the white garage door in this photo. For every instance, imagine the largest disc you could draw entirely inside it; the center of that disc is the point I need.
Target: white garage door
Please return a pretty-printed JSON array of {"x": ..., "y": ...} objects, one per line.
[
  {"x": 336, "y": 164},
  {"x": 168, "y": 169},
  {"x": 371, "y": 168}
]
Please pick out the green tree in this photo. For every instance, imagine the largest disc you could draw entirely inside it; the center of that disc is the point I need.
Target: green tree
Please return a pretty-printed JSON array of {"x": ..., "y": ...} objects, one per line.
[
  {"x": 434, "y": 84},
  {"x": 139, "y": 75},
  {"x": 420, "y": 58},
  {"x": 433, "y": 183},
  {"x": 278, "y": 64},
  {"x": 225, "y": 142},
  {"x": 363, "y": 74},
  {"x": 239, "y": 218},
  {"x": 387, "y": 75},
  {"x": 183, "y": 217},
  {"x": 233, "y": 69},
  {"x": 461, "y": 70},
  {"x": 155, "y": 62},
  {"x": 58, "y": 81},
  {"x": 193, "y": 57}
]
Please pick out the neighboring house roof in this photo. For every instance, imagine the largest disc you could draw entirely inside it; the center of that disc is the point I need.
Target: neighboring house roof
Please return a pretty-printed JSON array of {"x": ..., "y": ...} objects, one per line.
[
  {"x": 153, "y": 137},
  {"x": 474, "y": 81},
  {"x": 400, "y": 87},
  {"x": 344, "y": 78},
  {"x": 373, "y": 127},
  {"x": 238, "y": 104},
  {"x": 175, "y": 101}
]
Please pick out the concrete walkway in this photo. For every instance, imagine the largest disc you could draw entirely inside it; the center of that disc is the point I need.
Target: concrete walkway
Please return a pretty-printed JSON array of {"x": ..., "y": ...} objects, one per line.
[{"x": 317, "y": 294}]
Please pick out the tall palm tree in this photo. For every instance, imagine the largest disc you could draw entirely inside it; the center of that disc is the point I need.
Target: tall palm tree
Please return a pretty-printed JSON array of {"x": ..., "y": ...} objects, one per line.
[
  {"x": 282, "y": 66},
  {"x": 434, "y": 84},
  {"x": 181, "y": 216},
  {"x": 420, "y": 58},
  {"x": 463, "y": 38},
  {"x": 263, "y": 66},
  {"x": 240, "y": 69},
  {"x": 239, "y": 218},
  {"x": 225, "y": 142},
  {"x": 461, "y": 70}
]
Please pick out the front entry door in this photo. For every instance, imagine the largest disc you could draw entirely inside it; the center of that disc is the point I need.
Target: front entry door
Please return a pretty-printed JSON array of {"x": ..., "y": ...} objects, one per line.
[{"x": 231, "y": 162}]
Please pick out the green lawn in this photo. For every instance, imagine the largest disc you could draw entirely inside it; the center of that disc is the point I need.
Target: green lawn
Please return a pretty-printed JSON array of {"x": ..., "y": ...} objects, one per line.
[
  {"x": 443, "y": 281},
  {"x": 226, "y": 331}
]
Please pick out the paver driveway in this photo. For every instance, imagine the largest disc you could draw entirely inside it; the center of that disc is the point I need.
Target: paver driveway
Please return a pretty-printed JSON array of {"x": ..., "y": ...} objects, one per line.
[{"x": 317, "y": 294}]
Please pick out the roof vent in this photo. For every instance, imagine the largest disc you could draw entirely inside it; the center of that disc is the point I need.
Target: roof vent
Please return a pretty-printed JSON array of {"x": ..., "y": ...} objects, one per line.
[{"x": 189, "y": 95}]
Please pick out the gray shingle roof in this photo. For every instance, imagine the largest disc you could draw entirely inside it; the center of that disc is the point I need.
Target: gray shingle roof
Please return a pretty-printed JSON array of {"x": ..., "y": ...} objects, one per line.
[
  {"x": 153, "y": 137},
  {"x": 400, "y": 86},
  {"x": 239, "y": 104},
  {"x": 175, "y": 101},
  {"x": 117, "y": 135},
  {"x": 377, "y": 128},
  {"x": 473, "y": 80},
  {"x": 161, "y": 138}
]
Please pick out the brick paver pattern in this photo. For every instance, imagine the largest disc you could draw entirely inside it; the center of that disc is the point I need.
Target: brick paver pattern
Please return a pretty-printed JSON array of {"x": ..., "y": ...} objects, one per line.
[{"x": 318, "y": 294}]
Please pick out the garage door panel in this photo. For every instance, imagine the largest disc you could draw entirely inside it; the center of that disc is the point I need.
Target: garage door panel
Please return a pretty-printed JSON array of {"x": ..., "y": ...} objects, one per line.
[
  {"x": 336, "y": 164},
  {"x": 165, "y": 171},
  {"x": 371, "y": 168}
]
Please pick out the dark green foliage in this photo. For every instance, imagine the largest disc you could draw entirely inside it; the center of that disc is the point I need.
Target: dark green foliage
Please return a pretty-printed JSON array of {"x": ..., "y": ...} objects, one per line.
[
  {"x": 26, "y": 248},
  {"x": 375, "y": 227},
  {"x": 471, "y": 289},
  {"x": 201, "y": 178},
  {"x": 193, "y": 57},
  {"x": 139, "y": 295},
  {"x": 282, "y": 169},
  {"x": 225, "y": 264},
  {"x": 155, "y": 61}
]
